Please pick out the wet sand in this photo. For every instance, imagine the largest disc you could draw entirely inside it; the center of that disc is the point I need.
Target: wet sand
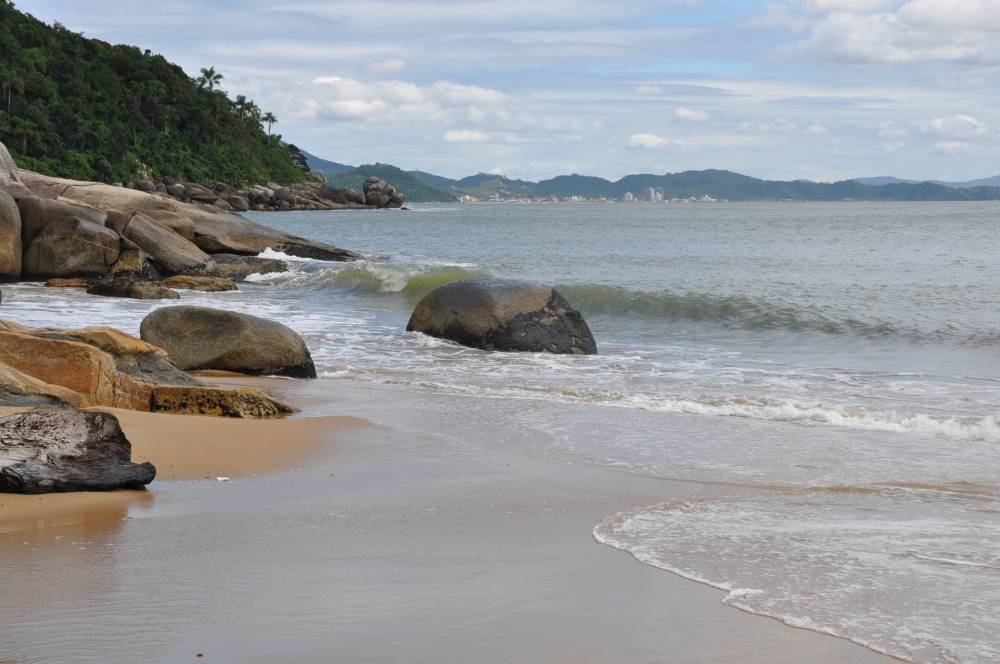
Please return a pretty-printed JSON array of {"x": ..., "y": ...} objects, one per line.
[{"x": 341, "y": 541}]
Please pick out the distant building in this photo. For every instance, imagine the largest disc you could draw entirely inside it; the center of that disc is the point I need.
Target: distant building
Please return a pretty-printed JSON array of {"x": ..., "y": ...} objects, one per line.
[
  {"x": 650, "y": 194},
  {"x": 628, "y": 196},
  {"x": 658, "y": 194}
]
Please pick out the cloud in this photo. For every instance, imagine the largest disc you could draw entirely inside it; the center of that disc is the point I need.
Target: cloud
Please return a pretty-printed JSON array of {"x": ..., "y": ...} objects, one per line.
[
  {"x": 816, "y": 129},
  {"x": 647, "y": 141},
  {"x": 959, "y": 31},
  {"x": 890, "y": 130},
  {"x": 466, "y": 136},
  {"x": 952, "y": 147},
  {"x": 780, "y": 125},
  {"x": 648, "y": 90},
  {"x": 387, "y": 66},
  {"x": 683, "y": 113},
  {"x": 336, "y": 98},
  {"x": 958, "y": 126}
]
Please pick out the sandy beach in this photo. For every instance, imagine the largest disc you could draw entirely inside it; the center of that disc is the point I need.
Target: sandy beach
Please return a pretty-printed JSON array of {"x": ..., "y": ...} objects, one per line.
[{"x": 338, "y": 540}]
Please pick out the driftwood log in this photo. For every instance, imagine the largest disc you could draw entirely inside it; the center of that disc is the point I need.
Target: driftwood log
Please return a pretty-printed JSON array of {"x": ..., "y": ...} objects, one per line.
[{"x": 55, "y": 450}]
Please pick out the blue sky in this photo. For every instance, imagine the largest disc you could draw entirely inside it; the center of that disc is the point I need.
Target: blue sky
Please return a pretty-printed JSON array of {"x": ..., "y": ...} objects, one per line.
[{"x": 817, "y": 89}]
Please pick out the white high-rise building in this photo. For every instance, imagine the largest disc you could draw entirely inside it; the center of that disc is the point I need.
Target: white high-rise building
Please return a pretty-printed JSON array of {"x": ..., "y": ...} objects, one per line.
[
  {"x": 650, "y": 194},
  {"x": 629, "y": 196}
]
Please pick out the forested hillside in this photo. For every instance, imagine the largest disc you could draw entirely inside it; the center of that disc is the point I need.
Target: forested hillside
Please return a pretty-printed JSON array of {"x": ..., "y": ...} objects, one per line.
[{"x": 85, "y": 109}]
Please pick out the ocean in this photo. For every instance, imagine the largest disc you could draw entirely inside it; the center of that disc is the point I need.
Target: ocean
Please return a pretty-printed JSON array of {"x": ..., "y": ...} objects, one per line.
[{"x": 843, "y": 359}]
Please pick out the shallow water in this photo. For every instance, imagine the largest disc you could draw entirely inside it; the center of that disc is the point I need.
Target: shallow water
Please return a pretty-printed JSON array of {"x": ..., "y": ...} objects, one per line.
[{"x": 847, "y": 355}]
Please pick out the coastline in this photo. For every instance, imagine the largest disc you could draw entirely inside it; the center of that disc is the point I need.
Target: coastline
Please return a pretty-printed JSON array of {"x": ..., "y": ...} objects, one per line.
[{"x": 364, "y": 543}]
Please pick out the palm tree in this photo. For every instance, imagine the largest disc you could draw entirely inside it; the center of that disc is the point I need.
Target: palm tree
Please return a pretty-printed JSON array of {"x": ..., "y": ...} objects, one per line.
[
  {"x": 11, "y": 80},
  {"x": 269, "y": 119},
  {"x": 210, "y": 78},
  {"x": 240, "y": 104},
  {"x": 154, "y": 88},
  {"x": 27, "y": 129},
  {"x": 253, "y": 113},
  {"x": 169, "y": 113}
]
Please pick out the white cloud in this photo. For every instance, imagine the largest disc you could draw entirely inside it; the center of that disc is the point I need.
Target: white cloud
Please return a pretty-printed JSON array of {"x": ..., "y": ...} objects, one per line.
[
  {"x": 647, "y": 141},
  {"x": 816, "y": 129},
  {"x": 952, "y": 147},
  {"x": 336, "y": 98},
  {"x": 648, "y": 90},
  {"x": 683, "y": 113},
  {"x": 847, "y": 5},
  {"x": 958, "y": 126},
  {"x": 775, "y": 126},
  {"x": 890, "y": 130},
  {"x": 386, "y": 66},
  {"x": 466, "y": 136}
]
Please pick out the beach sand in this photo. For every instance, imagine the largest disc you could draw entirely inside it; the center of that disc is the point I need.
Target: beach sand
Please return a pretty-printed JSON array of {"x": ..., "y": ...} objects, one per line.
[{"x": 336, "y": 540}]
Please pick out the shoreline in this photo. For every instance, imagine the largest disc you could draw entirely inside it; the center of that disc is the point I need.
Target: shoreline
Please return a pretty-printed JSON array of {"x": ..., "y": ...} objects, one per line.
[{"x": 378, "y": 544}]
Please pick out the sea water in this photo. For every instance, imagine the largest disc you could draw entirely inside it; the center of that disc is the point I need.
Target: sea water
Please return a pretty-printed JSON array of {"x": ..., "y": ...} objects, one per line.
[{"x": 844, "y": 359}]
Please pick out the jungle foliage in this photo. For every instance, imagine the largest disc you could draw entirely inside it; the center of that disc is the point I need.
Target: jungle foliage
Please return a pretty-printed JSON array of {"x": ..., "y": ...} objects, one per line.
[{"x": 85, "y": 109}]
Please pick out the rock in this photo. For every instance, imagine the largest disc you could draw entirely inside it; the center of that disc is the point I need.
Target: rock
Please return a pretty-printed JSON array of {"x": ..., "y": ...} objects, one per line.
[
  {"x": 117, "y": 220},
  {"x": 176, "y": 190},
  {"x": 19, "y": 390},
  {"x": 222, "y": 204},
  {"x": 172, "y": 221},
  {"x": 318, "y": 175},
  {"x": 133, "y": 263},
  {"x": 50, "y": 451},
  {"x": 201, "y": 338},
  {"x": 10, "y": 176},
  {"x": 246, "y": 403},
  {"x": 238, "y": 203},
  {"x": 503, "y": 314},
  {"x": 284, "y": 194},
  {"x": 169, "y": 180},
  {"x": 170, "y": 253},
  {"x": 218, "y": 245},
  {"x": 238, "y": 268},
  {"x": 132, "y": 289},
  {"x": 378, "y": 192},
  {"x": 145, "y": 185},
  {"x": 204, "y": 284},
  {"x": 71, "y": 247},
  {"x": 10, "y": 236},
  {"x": 75, "y": 282},
  {"x": 37, "y": 213}
]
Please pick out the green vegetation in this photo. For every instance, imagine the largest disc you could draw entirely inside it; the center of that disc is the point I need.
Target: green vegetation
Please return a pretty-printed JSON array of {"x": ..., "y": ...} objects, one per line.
[
  {"x": 415, "y": 190},
  {"x": 84, "y": 109}
]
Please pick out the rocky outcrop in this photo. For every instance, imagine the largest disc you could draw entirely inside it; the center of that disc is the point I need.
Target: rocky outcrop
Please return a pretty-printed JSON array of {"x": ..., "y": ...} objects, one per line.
[
  {"x": 134, "y": 289},
  {"x": 381, "y": 194},
  {"x": 71, "y": 247},
  {"x": 172, "y": 221},
  {"x": 170, "y": 253},
  {"x": 219, "y": 245},
  {"x": 199, "y": 338},
  {"x": 133, "y": 264},
  {"x": 10, "y": 176},
  {"x": 238, "y": 268},
  {"x": 10, "y": 237},
  {"x": 203, "y": 284},
  {"x": 101, "y": 366},
  {"x": 75, "y": 282},
  {"x": 503, "y": 314},
  {"x": 50, "y": 450}
]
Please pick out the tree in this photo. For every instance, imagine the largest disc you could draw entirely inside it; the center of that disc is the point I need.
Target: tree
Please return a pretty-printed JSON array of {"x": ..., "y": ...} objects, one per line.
[
  {"x": 210, "y": 78},
  {"x": 11, "y": 80},
  {"x": 27, "y": 129},
  {"x": 240, "y": 104},
  {"x": 169, "y": 113},
  {"x": 270, "y": 120},
  {"x": 155, "y": 89}
]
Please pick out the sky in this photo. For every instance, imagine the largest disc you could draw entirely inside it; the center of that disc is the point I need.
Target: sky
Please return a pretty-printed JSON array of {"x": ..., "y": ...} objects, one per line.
[{"x": 823, "y": 90}]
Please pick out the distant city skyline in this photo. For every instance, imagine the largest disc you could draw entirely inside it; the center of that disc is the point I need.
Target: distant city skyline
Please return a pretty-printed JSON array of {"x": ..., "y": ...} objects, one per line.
[{"x": 815, "y": 89}]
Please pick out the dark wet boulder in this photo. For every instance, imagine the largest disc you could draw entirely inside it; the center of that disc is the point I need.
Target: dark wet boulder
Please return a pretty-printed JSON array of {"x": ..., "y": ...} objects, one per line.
[
  {"x": 503, "y": 314},
  {"x": 203, "y": 284},
  {"x": 238, "y": 268},
  {"x": 10, "y": 238},
  {"x": 132, "y": 289},
  {"x": 71, "y": 247},
  {"x": 56, "y": 450},
  {"x": 133, "y": 263},
  {"x": 199, "y": 338}
]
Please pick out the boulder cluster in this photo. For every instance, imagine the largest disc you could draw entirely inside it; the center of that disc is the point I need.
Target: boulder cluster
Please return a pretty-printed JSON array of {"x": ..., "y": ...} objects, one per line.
[{"x": 376, "y": 194}]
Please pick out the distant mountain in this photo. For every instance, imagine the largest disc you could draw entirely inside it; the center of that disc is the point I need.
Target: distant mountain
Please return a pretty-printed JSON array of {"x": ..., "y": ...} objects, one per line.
[
  {"x": 328, "y": 167},
  {"x": 984, "y": 182},
  {"x": 415, "y": 190}
]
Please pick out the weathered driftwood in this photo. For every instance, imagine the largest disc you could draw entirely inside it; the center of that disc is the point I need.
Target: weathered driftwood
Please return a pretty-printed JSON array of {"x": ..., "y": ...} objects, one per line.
[{"x": 50, "y": 450}]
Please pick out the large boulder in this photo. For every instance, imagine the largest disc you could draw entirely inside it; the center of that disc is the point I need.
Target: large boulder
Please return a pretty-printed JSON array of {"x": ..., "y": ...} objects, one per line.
[
  {"x": 203, "y": 284},
  {"x": 37, "y": 213},
  {"x": 19, "y": 390},
  {"x": 71, "y": 247},
  {"x": 134, "y": 264},
  {"x": 172, "y": 221},
  {"x": 200, "y": 338},
  {"x": 10, "y": 177},
  {"x": 171, "y": 254},
  {"x": 10, "y": 238},
  {"x": 503, "y": 314},
  {"x": 378, "y": 192},
  {"x": 49, "y": 451}
]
